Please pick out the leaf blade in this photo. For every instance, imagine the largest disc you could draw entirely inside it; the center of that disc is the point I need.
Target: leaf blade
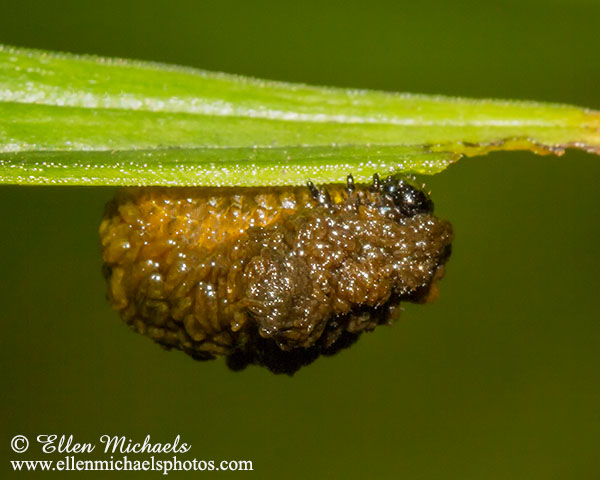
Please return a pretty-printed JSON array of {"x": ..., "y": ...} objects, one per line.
[{"x": 57, "y": 107}]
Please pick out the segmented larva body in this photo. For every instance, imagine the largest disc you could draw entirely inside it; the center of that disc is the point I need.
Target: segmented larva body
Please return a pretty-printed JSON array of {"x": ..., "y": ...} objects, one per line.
[{"x": 272, "y": 276}]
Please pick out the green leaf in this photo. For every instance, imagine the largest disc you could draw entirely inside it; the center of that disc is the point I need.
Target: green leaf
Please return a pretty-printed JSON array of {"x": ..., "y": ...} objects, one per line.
[{"x": 88, "y": 120}]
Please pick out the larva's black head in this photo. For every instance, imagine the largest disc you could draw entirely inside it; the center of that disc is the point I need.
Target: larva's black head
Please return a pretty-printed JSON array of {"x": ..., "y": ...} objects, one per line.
[
  {"x": 394, "y": 198},
  {"x": 408, "y": 199}
]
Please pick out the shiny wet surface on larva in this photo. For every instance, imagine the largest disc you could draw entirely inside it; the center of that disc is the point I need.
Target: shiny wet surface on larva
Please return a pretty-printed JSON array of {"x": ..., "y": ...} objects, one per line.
[{"x": 273, "y": 276}]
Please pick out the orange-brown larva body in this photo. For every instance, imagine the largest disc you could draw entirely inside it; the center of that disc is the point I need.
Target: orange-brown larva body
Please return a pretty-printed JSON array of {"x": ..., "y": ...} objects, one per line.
[{"x": 273, "y": 276}]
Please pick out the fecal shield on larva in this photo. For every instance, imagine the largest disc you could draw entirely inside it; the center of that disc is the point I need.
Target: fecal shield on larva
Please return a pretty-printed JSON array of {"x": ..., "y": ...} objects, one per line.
[{"x": 270, "y": 276}]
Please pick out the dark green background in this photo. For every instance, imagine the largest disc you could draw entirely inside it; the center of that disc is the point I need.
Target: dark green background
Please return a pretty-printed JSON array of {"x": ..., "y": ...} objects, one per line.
[{"x": 497, "y": 380}]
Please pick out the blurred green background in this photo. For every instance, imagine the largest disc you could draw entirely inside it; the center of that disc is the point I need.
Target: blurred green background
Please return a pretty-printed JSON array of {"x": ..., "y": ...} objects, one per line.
[{"x": 499, "y": 379}]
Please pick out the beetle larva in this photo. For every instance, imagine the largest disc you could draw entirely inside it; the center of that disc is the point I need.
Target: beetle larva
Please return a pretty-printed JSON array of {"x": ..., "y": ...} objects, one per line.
[{"x": 272, "y": 276}]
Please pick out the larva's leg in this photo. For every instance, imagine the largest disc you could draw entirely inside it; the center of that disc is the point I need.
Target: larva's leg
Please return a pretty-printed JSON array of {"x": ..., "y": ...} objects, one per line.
[
  {"x": 350, "y": 184},
  {"x": 325, "y": 199},
  {"x": 314, "y": 191},
  {"x": 321, "y": 196},
  {"x": 352, "y": 197},
  {"x": 376, "y": 183}
]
